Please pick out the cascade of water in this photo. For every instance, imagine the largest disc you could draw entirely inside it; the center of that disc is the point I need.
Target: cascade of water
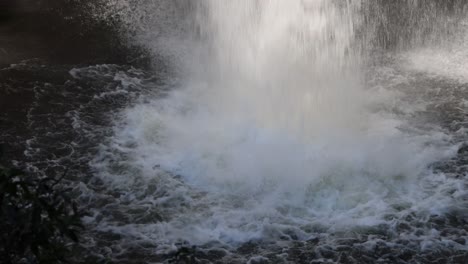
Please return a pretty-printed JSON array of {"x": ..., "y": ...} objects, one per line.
[
  {"x": 270, "y": 118},
  {"x": 283, "y": 65}
]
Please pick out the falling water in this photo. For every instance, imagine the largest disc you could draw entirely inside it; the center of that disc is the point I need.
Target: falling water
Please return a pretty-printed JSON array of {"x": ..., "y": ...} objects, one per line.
[
  {"x": 281, "y": 121},
  {"x": 276, "y": 64}
]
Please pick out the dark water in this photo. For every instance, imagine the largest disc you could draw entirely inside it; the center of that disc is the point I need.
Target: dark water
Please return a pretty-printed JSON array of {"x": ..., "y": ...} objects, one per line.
[{"x": 65, "y": 95}]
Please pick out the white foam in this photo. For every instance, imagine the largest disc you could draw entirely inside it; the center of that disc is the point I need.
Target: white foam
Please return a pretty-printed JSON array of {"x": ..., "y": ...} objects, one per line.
[
  {"x": 449, "y": 60},
  {"x": 271, "y": 134},
  {"x": 251, "y": 182}
]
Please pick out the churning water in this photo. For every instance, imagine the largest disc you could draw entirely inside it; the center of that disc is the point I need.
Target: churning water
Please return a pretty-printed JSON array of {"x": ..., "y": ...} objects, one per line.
[{"x": 290, "y": 122}]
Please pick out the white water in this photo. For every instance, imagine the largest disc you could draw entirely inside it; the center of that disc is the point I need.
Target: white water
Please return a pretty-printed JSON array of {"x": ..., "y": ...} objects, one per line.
[
  {"x": 273, "y": 132},
  {"x": 443, "y": 61}
]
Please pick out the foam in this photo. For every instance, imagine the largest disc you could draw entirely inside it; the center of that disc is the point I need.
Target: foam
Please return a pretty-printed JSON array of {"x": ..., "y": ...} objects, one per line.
[
  {"x": 271, "y": 136},
  {"x": 446, "y": 61}
]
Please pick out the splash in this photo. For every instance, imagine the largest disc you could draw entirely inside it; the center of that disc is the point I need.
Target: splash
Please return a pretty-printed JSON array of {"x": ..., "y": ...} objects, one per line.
[
  {"x": 271, "y": 126},
  {"x": 273, "y": 104},
  {"x": 276, "y": 64},
  {"x": 269, "y": 83}
]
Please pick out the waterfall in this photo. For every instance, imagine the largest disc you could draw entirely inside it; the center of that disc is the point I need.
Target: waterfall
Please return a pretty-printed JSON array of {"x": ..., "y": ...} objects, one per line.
[{"x": 271, "y": 117}]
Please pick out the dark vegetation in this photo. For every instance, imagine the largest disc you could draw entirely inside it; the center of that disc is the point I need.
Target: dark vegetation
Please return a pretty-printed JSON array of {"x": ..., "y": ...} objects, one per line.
[{"x": 39, "y": 222}]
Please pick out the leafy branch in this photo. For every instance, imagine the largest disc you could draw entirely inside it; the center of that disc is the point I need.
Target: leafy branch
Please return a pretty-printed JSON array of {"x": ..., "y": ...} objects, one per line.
[{"x": 39, "y": 222}]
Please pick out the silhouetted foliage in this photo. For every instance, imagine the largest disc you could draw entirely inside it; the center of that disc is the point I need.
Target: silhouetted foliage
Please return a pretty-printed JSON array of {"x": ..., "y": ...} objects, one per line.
[{"x": 38, "y": 221}]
